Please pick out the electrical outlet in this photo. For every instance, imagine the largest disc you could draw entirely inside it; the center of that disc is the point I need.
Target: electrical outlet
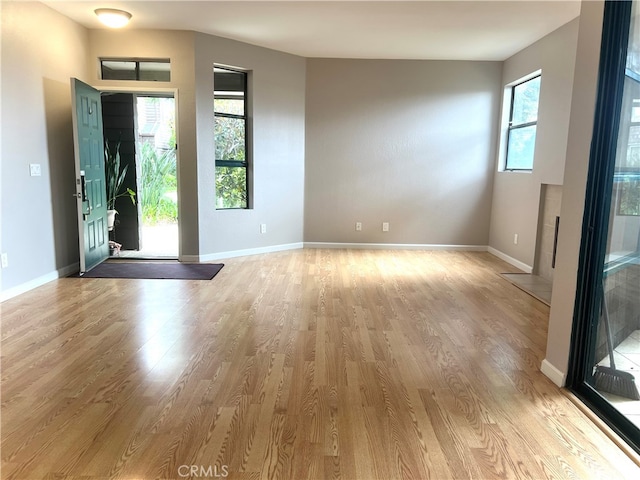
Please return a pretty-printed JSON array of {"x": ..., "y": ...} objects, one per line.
[
  {"x": 358, "y": 226},
  {"x": 5, "y": 260},
  {"x": 385, "y": 226},
  {"x": 263, "y": 228},
  {"x": 515, "y": 238}
]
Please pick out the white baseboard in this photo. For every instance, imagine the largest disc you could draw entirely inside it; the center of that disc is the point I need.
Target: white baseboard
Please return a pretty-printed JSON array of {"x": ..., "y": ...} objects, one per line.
[
  {"x": 241, "y": 253},
  {"x": 38, "y": 282},
  {"x": 555, "y": 375},
  {"x": 516, "y": 263},
  {"x": 295, "y": 246},
  {"x": 69, "y": 269},
  {"x": 396, "y": 246},
  {"x": 65, "y": 271}
]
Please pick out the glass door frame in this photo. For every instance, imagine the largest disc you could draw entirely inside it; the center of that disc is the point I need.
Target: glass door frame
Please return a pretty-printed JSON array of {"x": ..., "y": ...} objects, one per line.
[{"x": 595, "y": 228}]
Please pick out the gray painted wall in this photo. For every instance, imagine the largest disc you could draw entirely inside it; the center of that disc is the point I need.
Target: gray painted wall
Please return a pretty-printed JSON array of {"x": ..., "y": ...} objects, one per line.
[
  {"x": 411, "y": 143},
  {"x": 39, "y": 224},
  {"x": 573, "y": 195},
  {"x": 179, "y": 47},
  {"x": 367, "y": 123},
  {"x": 277, "y": 111},
  {"x": 39, "y": 230},
  {"x": 516, "y": 195},
  {"x": 277, "y": 114}
]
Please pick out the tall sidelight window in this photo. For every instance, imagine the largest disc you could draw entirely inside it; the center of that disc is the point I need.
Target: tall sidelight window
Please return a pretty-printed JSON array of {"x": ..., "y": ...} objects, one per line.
[
  {"x": 230, "y": 113},
  {"x": 523, "y": 123}
]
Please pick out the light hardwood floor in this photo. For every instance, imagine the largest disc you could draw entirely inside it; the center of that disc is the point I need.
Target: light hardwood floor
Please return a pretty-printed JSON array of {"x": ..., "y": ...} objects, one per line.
[{"x": 303, "y": 364}]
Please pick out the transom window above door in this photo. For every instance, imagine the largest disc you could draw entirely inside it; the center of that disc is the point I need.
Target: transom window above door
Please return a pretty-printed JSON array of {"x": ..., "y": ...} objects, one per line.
[{"x": 147, "y": 70}]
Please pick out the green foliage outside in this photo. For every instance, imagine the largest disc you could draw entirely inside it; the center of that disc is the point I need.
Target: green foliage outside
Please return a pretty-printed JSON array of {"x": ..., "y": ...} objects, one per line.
[
  {"x": 629, "y": 197},
  {"x": 230, "y": 141},
  {"x": 231, "y": 187},
  {"x": 158, "y": 197},
  {"x": 114, "y": 175}
]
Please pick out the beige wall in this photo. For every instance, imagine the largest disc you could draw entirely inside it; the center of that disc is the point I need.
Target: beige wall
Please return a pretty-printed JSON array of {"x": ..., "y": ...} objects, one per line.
[
  {"x": 516, "y": 195},
  {"x": 573, "y": 193},
  {"x": 39, "y": 227},
  {"x": 405, "y": 142}
]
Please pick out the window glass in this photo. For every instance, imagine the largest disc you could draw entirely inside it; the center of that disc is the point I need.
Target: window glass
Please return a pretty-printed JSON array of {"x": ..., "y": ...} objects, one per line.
[
  {"x": 525, "y": 102},
  {"x": 229, "y": 105},
  {"x": 523, "y": 124},
  {"x": 138, "y": 70},
  {"x": 522, "y": 142},
  {"x": 627, "y": 187},
  {"x": 155, "y": 71},
  {"x": 633, "y": 150},
  {"x": 230, "y": 133},
  {"x": 118, "y": 70},
  {"x": 230, "y": 139},
  {"x": 635, "y": 111},
  {"x": 231, "y": 187}
]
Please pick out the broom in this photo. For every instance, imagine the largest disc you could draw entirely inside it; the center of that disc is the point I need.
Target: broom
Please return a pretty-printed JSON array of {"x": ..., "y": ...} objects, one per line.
[{"x": 608, "y": 379}]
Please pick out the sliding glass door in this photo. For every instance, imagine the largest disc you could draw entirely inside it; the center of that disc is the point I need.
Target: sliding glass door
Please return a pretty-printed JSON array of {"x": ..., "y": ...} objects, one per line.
[{"x": 605, "y": 364}]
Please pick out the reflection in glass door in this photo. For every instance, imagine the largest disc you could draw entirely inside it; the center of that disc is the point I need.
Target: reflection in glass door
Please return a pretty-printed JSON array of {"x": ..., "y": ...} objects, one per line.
[
  {"x": 617, "y": 348},
  {"x": 606, "y": 347}
]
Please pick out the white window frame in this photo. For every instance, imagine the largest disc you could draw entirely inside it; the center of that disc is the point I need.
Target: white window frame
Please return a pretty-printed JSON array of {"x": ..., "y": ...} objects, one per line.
[{"x": 505, "y": 123}]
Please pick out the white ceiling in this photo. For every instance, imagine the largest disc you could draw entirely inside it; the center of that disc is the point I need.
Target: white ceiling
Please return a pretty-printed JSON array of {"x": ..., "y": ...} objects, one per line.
[{"x": 450, "y": 30}]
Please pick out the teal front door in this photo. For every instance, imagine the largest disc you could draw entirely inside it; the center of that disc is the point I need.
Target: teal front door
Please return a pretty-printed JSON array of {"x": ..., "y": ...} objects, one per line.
[{"x": 90, "y": 175}]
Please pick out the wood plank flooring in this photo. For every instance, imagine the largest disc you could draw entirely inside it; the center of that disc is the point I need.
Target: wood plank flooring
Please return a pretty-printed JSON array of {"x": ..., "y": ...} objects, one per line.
[{"x": 341, "y": 364}]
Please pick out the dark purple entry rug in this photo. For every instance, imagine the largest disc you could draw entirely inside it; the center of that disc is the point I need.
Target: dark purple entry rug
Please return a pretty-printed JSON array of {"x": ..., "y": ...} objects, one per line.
[{"x": 160, "y": 270}]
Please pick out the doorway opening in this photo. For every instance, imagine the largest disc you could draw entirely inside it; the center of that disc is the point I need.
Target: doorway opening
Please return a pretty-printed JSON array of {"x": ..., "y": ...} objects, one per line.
[{"x": 143, "y": 129}]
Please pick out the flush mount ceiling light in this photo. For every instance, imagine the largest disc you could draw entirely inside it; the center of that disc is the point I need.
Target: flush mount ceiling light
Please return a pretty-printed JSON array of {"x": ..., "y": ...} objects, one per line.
[{"x": 113, "y": 18}]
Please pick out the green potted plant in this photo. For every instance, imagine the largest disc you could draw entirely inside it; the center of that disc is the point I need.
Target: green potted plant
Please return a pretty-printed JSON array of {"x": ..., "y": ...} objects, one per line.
[{"x": 114, "y": 177}]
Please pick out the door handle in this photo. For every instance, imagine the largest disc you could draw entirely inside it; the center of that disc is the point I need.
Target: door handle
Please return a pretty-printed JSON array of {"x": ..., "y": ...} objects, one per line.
[
  {"x": 80, "y": 185},
  {"x": 83, "y": 186},
  {"x": 83, "y": 196}
]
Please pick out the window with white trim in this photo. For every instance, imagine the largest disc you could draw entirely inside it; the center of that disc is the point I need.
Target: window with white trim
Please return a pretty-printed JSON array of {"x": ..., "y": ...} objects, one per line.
[{"x": 523, "y": 124}]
